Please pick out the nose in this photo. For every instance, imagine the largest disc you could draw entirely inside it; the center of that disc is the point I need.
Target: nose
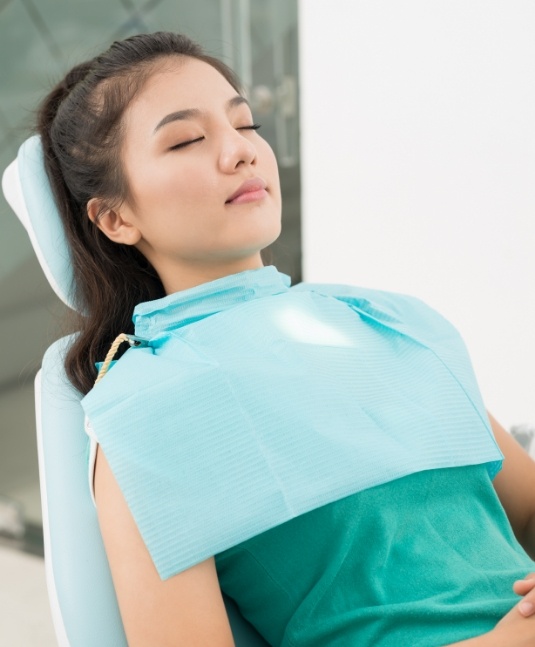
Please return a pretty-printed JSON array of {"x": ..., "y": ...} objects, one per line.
[{"x": 236, "y": 150}]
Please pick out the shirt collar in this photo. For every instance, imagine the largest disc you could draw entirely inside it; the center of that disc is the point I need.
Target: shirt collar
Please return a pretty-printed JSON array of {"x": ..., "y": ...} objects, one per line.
[{"x": 187, "y": 306}]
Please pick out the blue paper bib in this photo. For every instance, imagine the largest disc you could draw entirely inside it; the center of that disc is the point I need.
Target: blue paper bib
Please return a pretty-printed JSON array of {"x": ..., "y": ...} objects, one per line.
[{"x": 255, "y": 402}]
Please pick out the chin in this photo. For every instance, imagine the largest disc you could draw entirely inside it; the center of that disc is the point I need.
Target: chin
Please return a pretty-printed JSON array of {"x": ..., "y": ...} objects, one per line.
[{"x": 260, "y": 234}]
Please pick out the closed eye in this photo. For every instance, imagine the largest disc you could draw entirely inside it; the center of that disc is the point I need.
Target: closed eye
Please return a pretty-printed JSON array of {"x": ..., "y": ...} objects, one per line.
[
  {"x": 193, "y": 141},
  {"x": 183, "y": 144},
  {"x": 251, "y": 127}
]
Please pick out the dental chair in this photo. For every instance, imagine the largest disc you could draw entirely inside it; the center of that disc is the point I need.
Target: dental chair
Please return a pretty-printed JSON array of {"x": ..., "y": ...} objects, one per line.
[{"x": 82, "y": 598}]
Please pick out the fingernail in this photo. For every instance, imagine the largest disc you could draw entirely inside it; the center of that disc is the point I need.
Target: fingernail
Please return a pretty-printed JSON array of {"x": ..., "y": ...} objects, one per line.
[{"x": 525, "y": 608}]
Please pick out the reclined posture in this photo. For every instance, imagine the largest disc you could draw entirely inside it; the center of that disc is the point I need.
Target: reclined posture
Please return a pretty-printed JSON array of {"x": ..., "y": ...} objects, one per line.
[{"x": 227, "y": 459}]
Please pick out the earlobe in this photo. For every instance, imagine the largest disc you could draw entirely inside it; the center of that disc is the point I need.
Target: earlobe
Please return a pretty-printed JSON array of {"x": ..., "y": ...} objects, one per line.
[{"x": 112, "y": 223}]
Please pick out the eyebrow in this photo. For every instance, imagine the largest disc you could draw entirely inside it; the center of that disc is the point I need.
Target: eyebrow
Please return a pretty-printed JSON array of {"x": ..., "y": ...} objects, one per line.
[{"x": 195, "y": 113}]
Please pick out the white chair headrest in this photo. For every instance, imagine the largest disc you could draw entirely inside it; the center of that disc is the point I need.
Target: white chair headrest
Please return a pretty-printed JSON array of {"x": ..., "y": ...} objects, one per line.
[{"x": 27, "y": 189}]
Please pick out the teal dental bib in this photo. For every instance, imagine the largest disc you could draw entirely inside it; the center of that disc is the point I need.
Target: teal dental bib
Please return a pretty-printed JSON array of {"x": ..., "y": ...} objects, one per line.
[{"x": 253, "y": 402}]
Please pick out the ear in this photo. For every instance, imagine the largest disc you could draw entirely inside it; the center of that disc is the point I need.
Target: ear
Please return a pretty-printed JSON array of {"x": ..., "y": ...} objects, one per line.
[{"x": 112, "y": 222}]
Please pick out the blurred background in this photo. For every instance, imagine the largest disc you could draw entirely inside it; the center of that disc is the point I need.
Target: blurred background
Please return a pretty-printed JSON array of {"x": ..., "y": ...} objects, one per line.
[
  {"x": 405, "y": 137},
  {"x": 39, "y": 41}
]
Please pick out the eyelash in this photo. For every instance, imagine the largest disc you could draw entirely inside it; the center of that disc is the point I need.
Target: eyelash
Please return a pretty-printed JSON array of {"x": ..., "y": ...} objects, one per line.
[{"x": 192, "y": 141}]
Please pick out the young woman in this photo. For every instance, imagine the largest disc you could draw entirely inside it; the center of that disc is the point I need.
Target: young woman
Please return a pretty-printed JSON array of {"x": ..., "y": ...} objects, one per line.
[{"x": 355, "y": 506}]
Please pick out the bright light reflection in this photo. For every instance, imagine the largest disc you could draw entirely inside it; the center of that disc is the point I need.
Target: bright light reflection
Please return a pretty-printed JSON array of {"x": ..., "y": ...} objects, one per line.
[{"x": 307, "y": 329}]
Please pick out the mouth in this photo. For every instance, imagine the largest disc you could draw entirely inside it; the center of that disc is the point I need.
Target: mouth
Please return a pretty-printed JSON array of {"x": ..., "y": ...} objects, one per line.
[{"x": 250, "y": 191}]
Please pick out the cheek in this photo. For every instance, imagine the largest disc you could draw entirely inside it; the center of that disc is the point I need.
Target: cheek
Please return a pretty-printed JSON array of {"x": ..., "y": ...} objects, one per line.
[
  {"x": 166, "y": 187},
  {"x": 270, "y": 160},
  {"x": 273, "y": 171},
  {"x": 191, "y": 185}
]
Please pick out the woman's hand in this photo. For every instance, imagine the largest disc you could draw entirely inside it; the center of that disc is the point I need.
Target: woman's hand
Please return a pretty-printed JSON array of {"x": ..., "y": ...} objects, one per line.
[
  {"x": 524, "y": 587},
  {"x": 518, "y": 626}
]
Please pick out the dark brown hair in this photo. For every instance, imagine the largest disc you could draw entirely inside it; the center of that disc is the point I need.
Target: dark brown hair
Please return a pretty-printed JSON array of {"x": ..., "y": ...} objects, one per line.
[{"x": 80, "y": 126}]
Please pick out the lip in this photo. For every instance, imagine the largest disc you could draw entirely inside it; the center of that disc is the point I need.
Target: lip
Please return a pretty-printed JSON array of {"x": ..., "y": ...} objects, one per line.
[{"x": 253, "y": 185}]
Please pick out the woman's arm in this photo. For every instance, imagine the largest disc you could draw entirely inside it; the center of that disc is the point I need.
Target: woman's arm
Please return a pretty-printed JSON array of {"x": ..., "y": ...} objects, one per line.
[
  {"x": 513, "y": 630},
  {"x": 515, "y": 486},
  {"x": 186, "y": 609}
]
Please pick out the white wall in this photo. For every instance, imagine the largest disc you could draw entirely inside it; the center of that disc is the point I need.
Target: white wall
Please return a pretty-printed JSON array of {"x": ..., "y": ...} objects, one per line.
[{"x": 418, "y": 158}]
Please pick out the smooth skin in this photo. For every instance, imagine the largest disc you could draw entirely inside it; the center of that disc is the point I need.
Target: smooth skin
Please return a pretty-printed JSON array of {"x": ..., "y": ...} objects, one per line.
[{"x": 180, "y": 178}]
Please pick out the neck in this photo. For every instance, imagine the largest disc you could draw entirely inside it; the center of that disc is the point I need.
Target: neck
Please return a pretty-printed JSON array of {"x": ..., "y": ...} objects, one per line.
[{"x": 182, "y": 276}]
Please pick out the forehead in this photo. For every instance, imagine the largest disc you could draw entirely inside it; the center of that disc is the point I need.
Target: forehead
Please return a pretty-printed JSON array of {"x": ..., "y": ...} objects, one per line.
[{"x": 180, "y": 84}]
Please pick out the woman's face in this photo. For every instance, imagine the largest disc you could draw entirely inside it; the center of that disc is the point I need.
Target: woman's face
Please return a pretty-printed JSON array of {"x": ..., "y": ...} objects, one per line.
[{"x": 188, "y": 148}]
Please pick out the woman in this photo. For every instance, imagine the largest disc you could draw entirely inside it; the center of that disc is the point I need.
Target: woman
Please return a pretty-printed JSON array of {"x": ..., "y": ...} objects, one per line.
[{"x": 168, "y": 196}]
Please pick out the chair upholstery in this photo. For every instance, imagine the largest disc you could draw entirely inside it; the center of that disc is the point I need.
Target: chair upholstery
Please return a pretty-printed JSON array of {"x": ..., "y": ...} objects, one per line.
[{"x": 82, "y": 597}]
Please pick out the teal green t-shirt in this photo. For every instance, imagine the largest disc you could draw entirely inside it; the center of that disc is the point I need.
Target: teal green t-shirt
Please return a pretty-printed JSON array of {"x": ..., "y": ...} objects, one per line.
[{"x": 422, "y": 561}]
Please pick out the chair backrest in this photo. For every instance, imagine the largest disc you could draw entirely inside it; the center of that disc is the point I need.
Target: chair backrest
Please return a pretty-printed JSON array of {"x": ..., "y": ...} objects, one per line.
[{"x": 80, "y": 588}]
